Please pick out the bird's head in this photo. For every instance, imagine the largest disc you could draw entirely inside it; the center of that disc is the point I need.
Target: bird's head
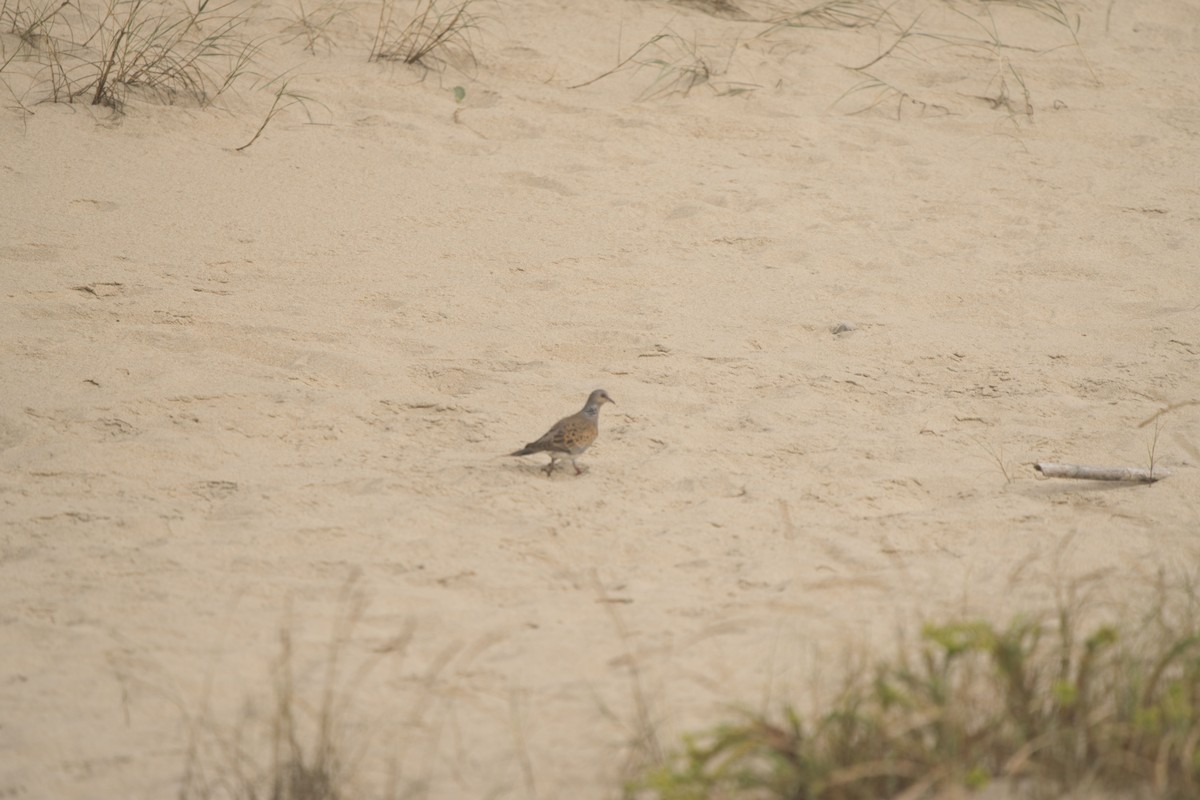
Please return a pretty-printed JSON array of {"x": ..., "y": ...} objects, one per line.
[{"x": 598, "y": 398}]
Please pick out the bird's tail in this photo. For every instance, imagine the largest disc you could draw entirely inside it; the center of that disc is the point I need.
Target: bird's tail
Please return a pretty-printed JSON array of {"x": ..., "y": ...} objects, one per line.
[{"x": 524, "y": 451}]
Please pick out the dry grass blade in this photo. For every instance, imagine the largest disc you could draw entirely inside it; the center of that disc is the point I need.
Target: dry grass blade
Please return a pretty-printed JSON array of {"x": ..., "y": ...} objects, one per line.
[
  {"x": 920, "y": 36},
  {"x": 944, "y": 33},
  {"x": 436, "y": 34},
  {"x": 1167, "y": 410},
  {"x": 996, "y": 454},
  {"x": 623, "y": 63},
  {"x": 284, "y": 99},
  {"x": 883, "y": 93},
  {"x": 679, "y": 66},
  {"x": 31, "y": 24},
  {"x": 646, "y": 748},
  {"x": 313, "y": 26},
  {"x": 292, "y": 749},
  {"x": 159, "y": 51},
  {"x": 830, "y": 14},
  {"x": 1054, "y": 11}
]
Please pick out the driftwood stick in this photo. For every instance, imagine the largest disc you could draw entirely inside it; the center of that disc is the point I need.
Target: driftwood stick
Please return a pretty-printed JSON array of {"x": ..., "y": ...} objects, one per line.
[{"x": 1088, "y": 473}]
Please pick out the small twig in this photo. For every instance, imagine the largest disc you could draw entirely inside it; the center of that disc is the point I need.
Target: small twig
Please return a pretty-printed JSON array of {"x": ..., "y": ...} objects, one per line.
[{"x": 1090, "y": 473}]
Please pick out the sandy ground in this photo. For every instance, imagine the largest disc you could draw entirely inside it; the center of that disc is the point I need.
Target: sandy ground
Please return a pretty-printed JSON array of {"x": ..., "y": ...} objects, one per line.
[{"x": 236, "y": 383}]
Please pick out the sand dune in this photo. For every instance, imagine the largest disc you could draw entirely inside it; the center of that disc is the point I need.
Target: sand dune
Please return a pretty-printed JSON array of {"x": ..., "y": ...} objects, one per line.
[{"x": 234, "y": 380}]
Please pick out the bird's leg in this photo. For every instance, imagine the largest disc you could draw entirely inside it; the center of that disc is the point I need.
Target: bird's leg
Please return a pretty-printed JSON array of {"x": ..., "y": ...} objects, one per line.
[
  {"x": 578, "y": 471},
  {"x": 550, "y": 467}
]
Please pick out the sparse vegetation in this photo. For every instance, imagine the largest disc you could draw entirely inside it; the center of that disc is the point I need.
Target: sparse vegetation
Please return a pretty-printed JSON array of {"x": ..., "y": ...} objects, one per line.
[
  {"x": 437, "y": 34},
  {"x": 680, "y": 65},
  {"x": 1075, "y": 698},
  {"x": 645, "y": 748},
  {"x": 944, "y": 33},
  {"x": 312, "y": 24},
  {"x": 289, "y": 747},
  {"x": 829, "y": 15},
  {"x": 1042, "y": 705},
  {"x": 101, "y": 53},
  {"x": 321, "y": 730},
  {"x": 285, "y": 98},
  {"x": 925, "y": 34}
]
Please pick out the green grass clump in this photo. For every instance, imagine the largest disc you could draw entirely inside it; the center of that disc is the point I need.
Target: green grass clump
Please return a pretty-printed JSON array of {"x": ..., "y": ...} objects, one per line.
[{"x": 1042, "y": 706}]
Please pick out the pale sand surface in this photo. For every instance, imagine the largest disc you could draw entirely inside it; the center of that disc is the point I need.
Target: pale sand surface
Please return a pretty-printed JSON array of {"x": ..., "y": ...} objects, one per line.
[{"x": 234, "y": 380}]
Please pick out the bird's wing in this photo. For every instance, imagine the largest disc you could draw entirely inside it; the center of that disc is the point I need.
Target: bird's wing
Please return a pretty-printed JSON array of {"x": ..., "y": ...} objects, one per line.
[
  {"x": 557, "y": 439},
  {"x": 578, "y": 432}
]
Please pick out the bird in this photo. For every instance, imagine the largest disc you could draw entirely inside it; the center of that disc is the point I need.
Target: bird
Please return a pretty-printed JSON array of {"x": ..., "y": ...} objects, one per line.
[{"x": 568, "y": 438}]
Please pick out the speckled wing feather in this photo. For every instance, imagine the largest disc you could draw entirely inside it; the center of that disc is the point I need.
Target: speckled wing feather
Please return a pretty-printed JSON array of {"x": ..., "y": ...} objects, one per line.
[{"x": 569, "y": 435}]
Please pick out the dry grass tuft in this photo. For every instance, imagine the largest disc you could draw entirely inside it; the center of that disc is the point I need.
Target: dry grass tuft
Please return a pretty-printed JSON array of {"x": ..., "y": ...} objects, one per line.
[
  {"x": 313, "y": 25},
  {"x": 955, "y": 34},
  {"x": 101, "y": 53},
  {"x": 438, "y": 34},
  {"x": 296, "y": 746},
  {"x": 975, "y": 43},
  {"x": 285, "y": 98}
]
